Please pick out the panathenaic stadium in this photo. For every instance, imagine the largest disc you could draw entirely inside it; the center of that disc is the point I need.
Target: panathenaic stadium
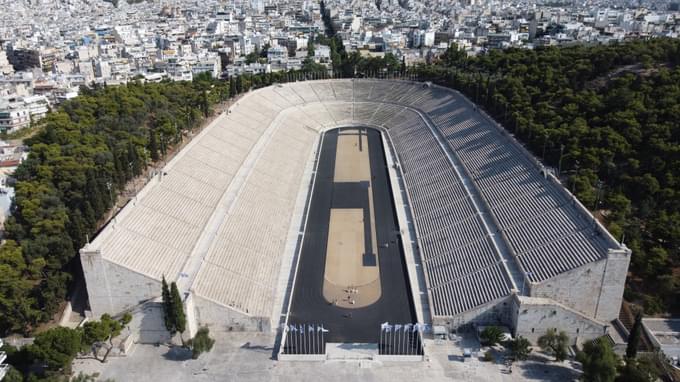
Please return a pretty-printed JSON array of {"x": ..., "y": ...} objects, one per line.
[{"x": 354, "y": 211}]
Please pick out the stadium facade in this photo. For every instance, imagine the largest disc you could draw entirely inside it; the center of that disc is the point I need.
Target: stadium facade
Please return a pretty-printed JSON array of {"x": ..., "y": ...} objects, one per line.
[{"x": 490, "y": 235}]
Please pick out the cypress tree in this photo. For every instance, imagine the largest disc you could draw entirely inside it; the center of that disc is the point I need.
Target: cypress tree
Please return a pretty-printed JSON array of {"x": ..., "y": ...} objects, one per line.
[
  {"x": 177, "y": 309},
  {"x": 153, "y": 145},
  {"x": 76, "y": 228},
  {"x": 94, "y": 195},
  {"x": 89, "y": 216},
  {"x": 167, "y": 306},
  {"x": 205, "y": 104},
  {"x": 232, "y": 88},
  {"x": 133, "y": 159},
  {"x": 634, "y": 337},
  {"x": 239, "y": 84}
]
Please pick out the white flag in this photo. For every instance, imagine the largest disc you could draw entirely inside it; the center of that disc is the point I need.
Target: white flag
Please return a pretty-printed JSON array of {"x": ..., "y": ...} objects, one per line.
[
  {"x": 384, "y": 325},
  {"x": 397, "y": 327},
  {"x": 310, "y": 328},
  {"x": 323, "y": 330},
  {"x": 293, "y": 328},
  {"x": 416, "y": 327},
  {"x": 407, "y": 327}
]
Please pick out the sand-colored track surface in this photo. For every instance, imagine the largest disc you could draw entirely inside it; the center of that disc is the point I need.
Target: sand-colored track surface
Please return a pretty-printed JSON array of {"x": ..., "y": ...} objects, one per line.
[{"x": 348, "y": 281}]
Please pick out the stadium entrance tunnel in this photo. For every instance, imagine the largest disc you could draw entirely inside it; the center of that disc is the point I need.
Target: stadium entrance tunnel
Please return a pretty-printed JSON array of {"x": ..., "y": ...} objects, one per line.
[{"x": 352, "y": 273}]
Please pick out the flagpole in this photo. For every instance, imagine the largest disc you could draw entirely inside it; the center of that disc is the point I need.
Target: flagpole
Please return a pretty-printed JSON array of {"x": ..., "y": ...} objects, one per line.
[
  {"x": 408, "y": 342},
  {"x": 401, "y": 340},
  {"x": 287, "y": 338},
  {"x": 392, "y": 342},
  {"x": 389, "y": 343},
  {"x": 292, "y": 339}
]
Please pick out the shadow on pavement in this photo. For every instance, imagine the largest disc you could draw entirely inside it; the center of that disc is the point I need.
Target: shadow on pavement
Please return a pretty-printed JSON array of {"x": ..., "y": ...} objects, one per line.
[
  {"x": 546, "y": 371},
  {"x": 264, "y": 349},
  {"x": 177, "y": 353}
]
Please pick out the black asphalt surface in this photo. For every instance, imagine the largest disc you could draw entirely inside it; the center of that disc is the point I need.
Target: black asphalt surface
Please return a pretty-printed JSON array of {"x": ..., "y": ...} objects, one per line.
[{"x": 395, "y": 304}]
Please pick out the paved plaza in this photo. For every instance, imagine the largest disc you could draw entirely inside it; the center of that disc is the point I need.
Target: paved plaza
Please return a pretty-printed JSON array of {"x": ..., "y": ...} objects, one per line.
[{"x": 248, "y": 357}]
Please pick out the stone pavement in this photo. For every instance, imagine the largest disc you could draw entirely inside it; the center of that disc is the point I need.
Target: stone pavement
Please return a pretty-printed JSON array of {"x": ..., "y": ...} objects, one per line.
[{"x": 248, "y": 357}]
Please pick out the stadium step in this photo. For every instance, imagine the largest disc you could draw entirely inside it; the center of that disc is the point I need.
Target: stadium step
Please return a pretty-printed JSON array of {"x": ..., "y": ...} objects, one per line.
[{"x": 351, "y": 351}]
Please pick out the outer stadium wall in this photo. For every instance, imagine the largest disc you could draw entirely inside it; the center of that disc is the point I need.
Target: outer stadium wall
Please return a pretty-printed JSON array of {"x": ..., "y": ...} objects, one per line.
[
  {"x": 496, "y": 312},
  {"x": 534, "y": 316},
  {"x": 111, "y": 288},
  {"x": 595, "y": 289},
  {"x": 225, "y": 319}
]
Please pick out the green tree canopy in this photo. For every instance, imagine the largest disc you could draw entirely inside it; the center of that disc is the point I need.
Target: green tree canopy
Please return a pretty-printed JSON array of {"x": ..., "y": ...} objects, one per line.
[
  {"x": 519, "y": 348},
  {"x": 598, "y": 360},
  {"x": 491, "y": 336},
  {"x": 56, "y": 348},
  {"x": 201, "y": 343},
  {"x": 555, "y": 343}
]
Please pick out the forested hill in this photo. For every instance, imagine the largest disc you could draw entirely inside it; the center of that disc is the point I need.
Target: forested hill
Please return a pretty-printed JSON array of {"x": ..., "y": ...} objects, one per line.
[
  {"x": 80, "y": 160},
  {"x": 609, "y": 118},
  {"x": 83, "y": 156}
]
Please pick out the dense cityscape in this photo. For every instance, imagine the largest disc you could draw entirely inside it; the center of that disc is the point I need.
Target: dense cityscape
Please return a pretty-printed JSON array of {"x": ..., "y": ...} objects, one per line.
[
  {"x": 51, "y": 48},
  {"x": 164, "y": 166}
]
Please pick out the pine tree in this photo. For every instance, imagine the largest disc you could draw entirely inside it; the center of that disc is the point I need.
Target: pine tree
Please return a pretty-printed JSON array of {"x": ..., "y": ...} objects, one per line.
[
  {"x": 634, "y": 337},
  {"x": 167, "y": 306}
]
